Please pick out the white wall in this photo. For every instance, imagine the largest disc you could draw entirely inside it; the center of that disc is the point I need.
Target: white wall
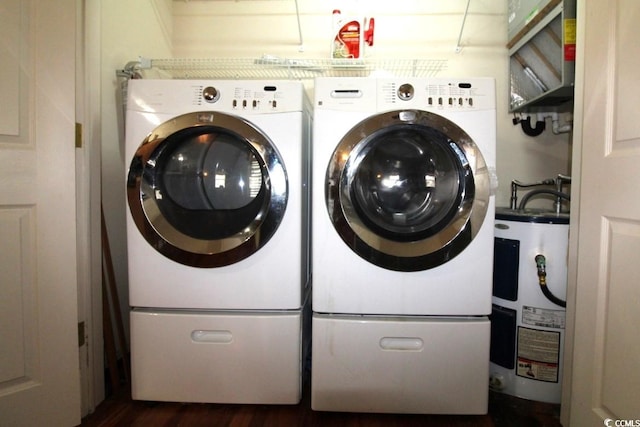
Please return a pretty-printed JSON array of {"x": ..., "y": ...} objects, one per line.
[
  {"x": 129, "y": 29},
  {"x": 420, "y": 29}
]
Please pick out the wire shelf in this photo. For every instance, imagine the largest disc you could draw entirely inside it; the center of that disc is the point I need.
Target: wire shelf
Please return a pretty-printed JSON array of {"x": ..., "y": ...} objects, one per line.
[{"x": 269, "y": 67}]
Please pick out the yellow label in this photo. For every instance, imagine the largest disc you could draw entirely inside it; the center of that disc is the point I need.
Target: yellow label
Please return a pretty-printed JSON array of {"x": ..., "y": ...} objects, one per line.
[{"x": 569, "y": 31}]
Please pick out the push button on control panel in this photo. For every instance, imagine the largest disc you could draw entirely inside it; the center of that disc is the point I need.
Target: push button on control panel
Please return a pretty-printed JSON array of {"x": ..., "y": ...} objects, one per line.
[
  {"x": 450, "y": 96},
  {"x": 254, "y": 104}
]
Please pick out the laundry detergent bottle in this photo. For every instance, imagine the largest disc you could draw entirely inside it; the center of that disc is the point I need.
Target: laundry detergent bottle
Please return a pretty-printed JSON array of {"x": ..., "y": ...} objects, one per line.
[{"x": 350, "y": 36}]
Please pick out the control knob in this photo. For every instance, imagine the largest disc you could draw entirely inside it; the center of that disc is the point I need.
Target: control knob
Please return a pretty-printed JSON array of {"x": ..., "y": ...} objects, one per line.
[
  {"x": 210, "y": 94},
  {"x": 405, "y": 92}
]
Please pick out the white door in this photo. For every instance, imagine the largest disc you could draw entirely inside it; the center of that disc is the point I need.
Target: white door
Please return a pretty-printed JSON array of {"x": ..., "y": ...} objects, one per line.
[
  {"x": 39, "y": 366},
  {"x": 605, "y": 382}
]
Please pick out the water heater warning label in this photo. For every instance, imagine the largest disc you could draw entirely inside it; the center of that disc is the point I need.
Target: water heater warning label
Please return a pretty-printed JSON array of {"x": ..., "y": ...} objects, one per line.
[
  {"x": 538, "y": 354},
  {"x": 543, "y": 317}
]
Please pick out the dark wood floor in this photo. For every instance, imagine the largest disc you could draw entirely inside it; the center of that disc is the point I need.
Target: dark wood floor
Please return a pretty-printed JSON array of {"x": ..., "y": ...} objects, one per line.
[{"x": 119, "y": 410}]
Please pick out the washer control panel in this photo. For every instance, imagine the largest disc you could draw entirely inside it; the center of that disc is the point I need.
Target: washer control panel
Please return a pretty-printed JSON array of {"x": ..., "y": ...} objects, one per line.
[{"x": 471, "y": 94}]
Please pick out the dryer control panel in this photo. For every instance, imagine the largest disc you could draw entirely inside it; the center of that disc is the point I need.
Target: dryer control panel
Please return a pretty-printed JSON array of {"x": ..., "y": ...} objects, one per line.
[
  {"x": 247, "y": 97},
  {"x": 231, "y": 96}
]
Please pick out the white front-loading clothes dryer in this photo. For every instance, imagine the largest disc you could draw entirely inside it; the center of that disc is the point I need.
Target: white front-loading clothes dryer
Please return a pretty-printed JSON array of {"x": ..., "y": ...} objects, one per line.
[
  {"x": 217, "y": 236},
  {"x": 403, "y": 204}
]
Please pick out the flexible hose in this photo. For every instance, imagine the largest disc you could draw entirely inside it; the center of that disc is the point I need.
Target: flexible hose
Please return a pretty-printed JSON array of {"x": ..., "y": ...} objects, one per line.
[
  {"x": 515, "y": 184},
  {"x": 542, "y": 281},
  {"x": 526, "y": 197}
]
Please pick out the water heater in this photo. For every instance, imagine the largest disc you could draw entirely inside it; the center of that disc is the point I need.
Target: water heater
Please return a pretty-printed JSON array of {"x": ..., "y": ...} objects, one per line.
[{"x": 528, "y": 314}]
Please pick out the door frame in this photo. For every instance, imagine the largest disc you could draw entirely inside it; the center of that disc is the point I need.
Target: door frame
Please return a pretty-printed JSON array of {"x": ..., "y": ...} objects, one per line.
[{"x": 88, "y": 188}]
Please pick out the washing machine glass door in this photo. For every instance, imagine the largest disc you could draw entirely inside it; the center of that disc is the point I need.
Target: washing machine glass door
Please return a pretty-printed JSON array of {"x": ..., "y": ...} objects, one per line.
[
  {"x": 207, "y": 189},
  {"x": 407, "y": 190}
]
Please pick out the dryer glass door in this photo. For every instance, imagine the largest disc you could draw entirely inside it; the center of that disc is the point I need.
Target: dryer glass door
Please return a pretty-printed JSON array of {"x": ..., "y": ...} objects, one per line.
[
  {"x": 207, "y": 189},
  {"x": 407, "y": 190}
]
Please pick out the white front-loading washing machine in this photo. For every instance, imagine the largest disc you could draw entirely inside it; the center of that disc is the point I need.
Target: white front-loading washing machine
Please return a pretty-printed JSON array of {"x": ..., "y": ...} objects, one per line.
[
  {"x": 403, "y": 207},
  {"x": 217, "y": 236}
]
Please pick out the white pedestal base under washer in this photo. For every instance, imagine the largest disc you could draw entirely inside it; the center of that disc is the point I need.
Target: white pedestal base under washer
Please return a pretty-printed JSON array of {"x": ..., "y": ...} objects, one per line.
[
  {"x": 217, "y": 237},
  {"x": 399, "y": 365},
  {"x": 403, "y": 208}
]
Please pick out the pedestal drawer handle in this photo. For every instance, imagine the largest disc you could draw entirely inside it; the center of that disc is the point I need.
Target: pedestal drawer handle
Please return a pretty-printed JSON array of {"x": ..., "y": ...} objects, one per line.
[
  {"x": 216, "y": 337},
  {"x": 401, "y": 343}
]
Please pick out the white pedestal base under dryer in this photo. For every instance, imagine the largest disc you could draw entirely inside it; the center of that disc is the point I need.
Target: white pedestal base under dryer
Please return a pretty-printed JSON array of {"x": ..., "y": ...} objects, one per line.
[
  {"x": 403, "y": 208},
  {"x": 217, "y": 357},
  {"x": 217, "y": 238}
]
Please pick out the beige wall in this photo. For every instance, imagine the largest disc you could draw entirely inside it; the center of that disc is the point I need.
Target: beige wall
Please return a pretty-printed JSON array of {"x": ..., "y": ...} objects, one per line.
[{"x": 129, "y": 29}]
